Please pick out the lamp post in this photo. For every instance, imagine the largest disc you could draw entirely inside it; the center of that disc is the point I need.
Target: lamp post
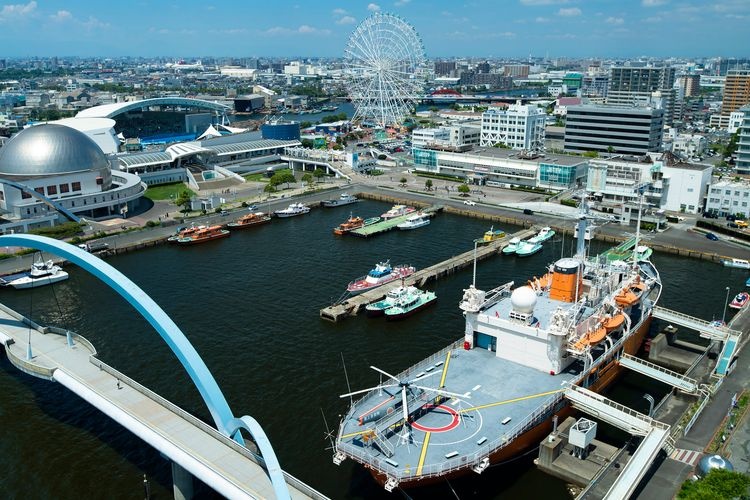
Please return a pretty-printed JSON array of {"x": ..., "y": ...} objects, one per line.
[
  {"x": 474, "y": 277},
  {"x": 726, "y": 300}
]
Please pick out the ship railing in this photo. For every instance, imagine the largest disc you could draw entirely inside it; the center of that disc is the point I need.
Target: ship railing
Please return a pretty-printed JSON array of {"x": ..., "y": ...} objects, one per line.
[
  {"x": 495, "y": 295},
  {"x": 422, "y": 365}
]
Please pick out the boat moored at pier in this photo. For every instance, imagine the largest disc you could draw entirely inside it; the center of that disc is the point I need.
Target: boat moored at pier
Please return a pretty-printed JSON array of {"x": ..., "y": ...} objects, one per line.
[
  {"x": 293, "y": 210},
  {"x": 249, "y": 220},
  {"x": 381, "y": 274},
  {"x": 344, "y": 199},
  {"x": 204, "y": 235}
]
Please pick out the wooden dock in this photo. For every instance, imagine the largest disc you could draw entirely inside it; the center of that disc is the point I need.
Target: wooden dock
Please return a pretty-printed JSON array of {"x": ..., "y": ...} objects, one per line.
[
  {"x": 355, "y": 303},
  {"x": 387, "y": 225}
]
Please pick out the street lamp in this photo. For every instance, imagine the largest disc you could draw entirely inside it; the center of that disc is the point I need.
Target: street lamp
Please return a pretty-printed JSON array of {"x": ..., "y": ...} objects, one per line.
[
  {"x": 726, "y": 300},
  {"x": 474, "y": 277}
]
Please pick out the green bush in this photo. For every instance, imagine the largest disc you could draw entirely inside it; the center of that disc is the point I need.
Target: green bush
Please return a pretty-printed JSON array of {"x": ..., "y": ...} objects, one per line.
[
  {"x": 719, "y": 484},
  {"x": 569, "y": 202},
  {"x": 60, "y": 231},
  {"x": 152, "y": 223}
]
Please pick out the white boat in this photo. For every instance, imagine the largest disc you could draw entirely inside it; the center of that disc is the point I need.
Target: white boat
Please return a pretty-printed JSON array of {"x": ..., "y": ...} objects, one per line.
[
  {"x": 543, "y": 235},
  {"x": 739, "y": 263},
  {"x": 512, "y": 246},
  {"x": 526, "y": 248},
  {"x": 41, "y": 273},
  {"x": 344, "y": 199},
  {"x": 414, "y": 222},
  {"x": 292, "y": 210}
]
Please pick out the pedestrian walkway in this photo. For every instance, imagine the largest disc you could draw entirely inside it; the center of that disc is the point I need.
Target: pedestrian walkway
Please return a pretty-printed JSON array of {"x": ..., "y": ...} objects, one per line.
[{"x": 689, "y": 457}]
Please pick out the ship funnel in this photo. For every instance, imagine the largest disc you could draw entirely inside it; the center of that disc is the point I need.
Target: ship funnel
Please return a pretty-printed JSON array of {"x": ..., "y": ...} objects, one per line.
[{"x": 566, "y": 280}]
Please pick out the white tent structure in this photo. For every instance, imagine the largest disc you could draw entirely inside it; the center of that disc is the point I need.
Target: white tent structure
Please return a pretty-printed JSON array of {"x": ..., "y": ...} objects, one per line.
[
  {"x": 209, "y": 133},
  {"x": 233, "y": 130}
]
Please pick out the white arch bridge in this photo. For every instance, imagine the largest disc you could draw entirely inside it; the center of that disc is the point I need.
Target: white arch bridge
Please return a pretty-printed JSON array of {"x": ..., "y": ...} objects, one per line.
[{"x": 218, "y": 456}]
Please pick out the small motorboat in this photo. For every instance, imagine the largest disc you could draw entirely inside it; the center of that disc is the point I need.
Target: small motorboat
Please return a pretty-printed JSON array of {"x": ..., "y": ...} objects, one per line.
[
  {"x": 206, "y": 234},
  {"x": 350, "y": 224},
  {"x": 526, "y": 248},
  {"x": 397, "y": 211},
  {"x": 409, "y": 303},
  {"x": 382, "y": 273},
  {"x": 739, "y": 300},
  {"x": 184, "y": 233},
  {"x": 344, "y": 199},
  {"x": 414, "y": 222},
  {"x": 512, "y": 246},
  {"x": 543, "y": 235},
  {"x": 738, "y": 263},
  {"x": 491, "y": 235},
  {"x": 249, "y": 220},
  {"x": 41, "y": 273},
  {"x": 292, "y": 210},
  {"x": 392, "y": 298}
]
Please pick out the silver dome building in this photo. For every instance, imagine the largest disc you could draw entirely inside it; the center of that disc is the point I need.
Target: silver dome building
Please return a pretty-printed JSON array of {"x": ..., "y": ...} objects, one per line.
[{"x": 55, "y": 163}]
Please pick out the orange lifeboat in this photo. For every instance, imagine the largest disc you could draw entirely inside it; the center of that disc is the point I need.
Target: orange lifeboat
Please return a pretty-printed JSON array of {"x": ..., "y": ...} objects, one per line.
[
  {"x": 612, "y": 323},
  {"x": 591, "y": 338},
  {"x": 626, "y": 298}
]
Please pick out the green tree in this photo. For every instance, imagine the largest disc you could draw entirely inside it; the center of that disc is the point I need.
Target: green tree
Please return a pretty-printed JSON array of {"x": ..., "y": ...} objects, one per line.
[
  {"x": 719, "y": 483},
  {"x": 610, "y": 149},
  {"x": 183, "y": 200},
  {"x": 269, "y": 188},
  {"x": 308, "y": 178},
  {"x": 428, "y": 184},
  {"x": 464, "y": 189},
  {"x": 305, "y": 124},
  {"x": 402, "y": 181},
  {"x": 319, "y": 174},
  {"x": 591, "y": 154},
  {"x": 308, "y": 143},
  {"x": 501, "y": 145}
]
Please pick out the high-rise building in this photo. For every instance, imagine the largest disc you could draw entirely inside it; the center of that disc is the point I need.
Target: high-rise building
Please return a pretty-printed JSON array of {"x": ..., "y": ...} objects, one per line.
[
  {"x": 516, "y": 70},
  {"x": 742, "y": 165},
  {"x": 613, "y": 129},
  {"x": 445, "y": 68},
  {"x": 519, "y": 127},
  {"x": 629, "y": 86},
  {"x": 736, "y": 90},
  {"x": 690, "y": 85}
]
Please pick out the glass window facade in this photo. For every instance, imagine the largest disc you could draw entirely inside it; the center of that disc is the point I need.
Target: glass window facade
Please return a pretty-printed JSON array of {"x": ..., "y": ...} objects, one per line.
[
  {"x": 557, "y": 175},
  {"x": 425, "y": 157}
]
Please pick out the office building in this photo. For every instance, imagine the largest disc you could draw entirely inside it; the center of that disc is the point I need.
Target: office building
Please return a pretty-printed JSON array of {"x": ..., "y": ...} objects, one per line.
[
  {"x": 729, "y": 198},
  {"x": 636, "y": 86},
  {"x": 448, "y": 138},
  {"x": 742, "y": 165},
  {"x": 613, "y": 129},
  {"x": 519, "y": 127}
]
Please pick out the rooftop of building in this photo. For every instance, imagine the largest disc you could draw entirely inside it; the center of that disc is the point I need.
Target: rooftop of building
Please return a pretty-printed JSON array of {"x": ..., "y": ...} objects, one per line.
[{"x": 526, "y": 156}]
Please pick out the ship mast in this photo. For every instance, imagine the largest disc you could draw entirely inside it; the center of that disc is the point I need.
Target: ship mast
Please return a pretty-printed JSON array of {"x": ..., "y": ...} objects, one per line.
[
  {"x": 641, "y": 189},
  {"x": 582, "y": 223}
]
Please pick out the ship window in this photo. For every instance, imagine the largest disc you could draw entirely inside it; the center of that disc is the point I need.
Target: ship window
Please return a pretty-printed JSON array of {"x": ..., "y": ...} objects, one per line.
[
  {"x": 483, "y": 440},
  {"x": 451, "y": 454},
  {"x": 391, "y": 462},
  {"x": 505, "y": 421}
]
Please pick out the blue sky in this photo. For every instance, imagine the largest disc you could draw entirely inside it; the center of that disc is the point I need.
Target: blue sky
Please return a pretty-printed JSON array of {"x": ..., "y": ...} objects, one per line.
[{"x": 499, "y": 28}]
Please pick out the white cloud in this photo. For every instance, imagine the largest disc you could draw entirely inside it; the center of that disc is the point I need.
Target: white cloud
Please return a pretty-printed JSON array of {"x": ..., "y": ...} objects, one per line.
[
  {"x": 302, "y": 30},
  {"x": 653, "y": 3},
  {"x": 542, "y": 19},
  {"x": 61, "y": 16},
  {"x": 346, "y": 20},
  {"x": 571, "y": 12},
  {"x": 542, "y": 2},
  {"x": 652, "y": 19},
  {"x": 17, "y": 10},
  {"x": 614, "y": 20},
  {"x": 401, "y": 3},
  {"x": 373, "y": 7},
  {"x": 339, "y": 12},
  {"x": 94, "y": 23}
]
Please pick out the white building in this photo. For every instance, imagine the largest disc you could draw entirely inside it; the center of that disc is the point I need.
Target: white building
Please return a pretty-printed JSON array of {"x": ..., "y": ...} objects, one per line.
[
  {"x": 237, "y": 72},
  {"x": 452, "y": 137},
  {"x": 518, "y": 127},
  {"x": 688, "y": 185},
  {"x": 689, "y": 145},
  {"x": 735, "y": 121},
  {"x": 729, "y": 198}
]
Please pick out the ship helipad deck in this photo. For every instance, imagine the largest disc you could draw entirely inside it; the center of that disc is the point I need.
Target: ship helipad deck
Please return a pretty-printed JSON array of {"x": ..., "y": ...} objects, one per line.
[{"x": 452, "y": 433}]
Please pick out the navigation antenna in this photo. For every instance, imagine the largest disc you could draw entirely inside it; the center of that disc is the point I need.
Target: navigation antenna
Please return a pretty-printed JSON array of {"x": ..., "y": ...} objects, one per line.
[
  {"x": 348, "y": 386},
  {"x": 329, "y": 433},
  {"x": 641, "y": 191}
]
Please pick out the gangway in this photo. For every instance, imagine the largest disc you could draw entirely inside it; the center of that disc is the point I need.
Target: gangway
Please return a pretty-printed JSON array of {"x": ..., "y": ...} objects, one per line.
[
  {"x": 730, "y": 346},
  {"x": 675, "y": 379},
  {"x": 655, "y": 433},
  {"x": 613, "y": 413},
  {"x": 638, "y": 464},
  {"x": 707, "y": 329}
]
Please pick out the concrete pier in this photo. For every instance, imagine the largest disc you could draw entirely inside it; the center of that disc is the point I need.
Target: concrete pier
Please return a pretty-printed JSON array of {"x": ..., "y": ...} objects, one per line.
[{"x": 352, "y": 305}]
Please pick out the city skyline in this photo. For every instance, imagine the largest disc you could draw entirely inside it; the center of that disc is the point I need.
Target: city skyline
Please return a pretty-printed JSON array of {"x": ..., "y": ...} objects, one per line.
[{"x": 481, "y": 28}]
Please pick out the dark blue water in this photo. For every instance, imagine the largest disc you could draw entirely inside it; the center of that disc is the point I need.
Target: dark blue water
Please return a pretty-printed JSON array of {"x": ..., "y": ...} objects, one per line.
[{"x": 249, "y": 304}]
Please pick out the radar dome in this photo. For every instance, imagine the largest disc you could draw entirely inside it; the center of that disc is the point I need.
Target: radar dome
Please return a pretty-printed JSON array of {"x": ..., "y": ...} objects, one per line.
[{"x": 523, "y": 299}]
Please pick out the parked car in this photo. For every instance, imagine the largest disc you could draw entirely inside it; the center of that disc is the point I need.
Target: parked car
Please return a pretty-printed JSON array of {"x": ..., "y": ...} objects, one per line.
[
  {"x": 470, "y": 203},
  {"x": 528, "y": 211},
  {"x": 732, "y": 225},
  {"x": 712, "y": 236}
]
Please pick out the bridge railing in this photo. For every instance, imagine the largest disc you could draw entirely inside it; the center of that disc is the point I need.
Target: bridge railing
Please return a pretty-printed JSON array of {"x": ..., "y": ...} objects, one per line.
[{"x": 208, "y": 429}]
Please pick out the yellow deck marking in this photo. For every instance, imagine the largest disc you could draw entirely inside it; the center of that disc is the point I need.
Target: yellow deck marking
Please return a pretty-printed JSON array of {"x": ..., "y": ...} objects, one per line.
[
  {"x": 424, "y": 453},
  {"x": 510, "y": 401},
  {"x": 355, "y": 433},
  {"x": 445, "y": 369}
]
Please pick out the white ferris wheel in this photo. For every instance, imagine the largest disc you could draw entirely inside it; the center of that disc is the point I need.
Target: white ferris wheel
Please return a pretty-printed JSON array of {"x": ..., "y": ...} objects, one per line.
[{"x": 384, "y": 64}]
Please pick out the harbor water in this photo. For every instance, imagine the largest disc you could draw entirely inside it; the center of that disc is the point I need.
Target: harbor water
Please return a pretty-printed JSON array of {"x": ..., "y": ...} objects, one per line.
[{"x": 249, "y": 304}]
